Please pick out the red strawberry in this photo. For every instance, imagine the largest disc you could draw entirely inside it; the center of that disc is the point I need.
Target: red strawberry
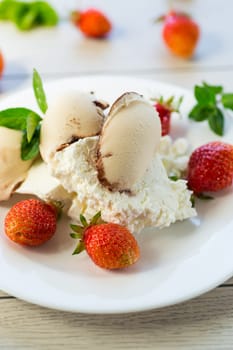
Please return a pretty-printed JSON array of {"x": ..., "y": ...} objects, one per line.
[
  {"x": 1, "y": 64},
  {"x": 92, "y": 23},
  {"x": 164, "y": 109},
  {"x": 109, "y": 245},
  {"x": 210, "y": 167},
  {"x": 180, "y": 33},
  {"x": 31, "y": 222}
]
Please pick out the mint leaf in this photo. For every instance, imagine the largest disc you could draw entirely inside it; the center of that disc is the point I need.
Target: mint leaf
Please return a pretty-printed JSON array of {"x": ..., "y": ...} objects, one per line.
[
  {"x": 227, "y": 100},
  {"x": 32, "y": 122},
  {"x": 16, "y": 118},
  {"x": 30, "y": 150},
  {"x": 46, "y": 15},
  {"x": 216, "y": 122},
  {"x": 215, "y": 89},
  {"x": 204, "y": 95},
  {"x": 28, "y": 15},
  {"x": 200, "y": 112},
  {"x": 7, "y": 9},
  {"x": 25, "y": 17},
  {"x": 39, "y": 91}
]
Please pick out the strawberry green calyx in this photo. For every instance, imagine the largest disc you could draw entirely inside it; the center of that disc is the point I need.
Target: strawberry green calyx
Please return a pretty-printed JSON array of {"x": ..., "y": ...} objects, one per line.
[
  {"x": 75, "y": 17},
  {"x": 172, "y": 104},
  {"x": 57, "y": 207},
  {"x": 79, "y": 230}
]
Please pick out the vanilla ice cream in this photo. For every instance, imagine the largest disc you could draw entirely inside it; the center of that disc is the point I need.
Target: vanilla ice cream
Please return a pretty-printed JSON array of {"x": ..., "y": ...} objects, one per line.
[
  {"x": 128, "y": 141},
  {"x": 13, "y": 169},
  {"x": 71, "y": 116},
  {"x": 154, "y": 200}
]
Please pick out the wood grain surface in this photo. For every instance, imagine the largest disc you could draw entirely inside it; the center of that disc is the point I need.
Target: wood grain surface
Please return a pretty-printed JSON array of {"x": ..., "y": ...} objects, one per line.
[{"x": 203, "y": 323}]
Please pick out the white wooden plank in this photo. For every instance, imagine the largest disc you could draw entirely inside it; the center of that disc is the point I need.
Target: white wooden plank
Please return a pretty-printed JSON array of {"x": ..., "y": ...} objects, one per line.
[{"x": 204, "y": 323}]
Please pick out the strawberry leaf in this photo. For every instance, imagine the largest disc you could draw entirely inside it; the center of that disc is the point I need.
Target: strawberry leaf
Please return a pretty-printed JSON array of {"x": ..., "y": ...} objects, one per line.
[
  {"x": 83, "y": 220},
  {"x": 76, "y": 235},
  {"x": 95, "y": 218},
  {"x": 76, "y": 228},
  {"x": 80, "y": 247},
  {"x": 39, "y": 91},
  {"x": 204, "y": 196}
]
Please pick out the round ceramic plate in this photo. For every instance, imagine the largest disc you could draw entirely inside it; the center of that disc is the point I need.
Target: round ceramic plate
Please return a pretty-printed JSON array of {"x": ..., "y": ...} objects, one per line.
[{"x": 178, "y": 263}]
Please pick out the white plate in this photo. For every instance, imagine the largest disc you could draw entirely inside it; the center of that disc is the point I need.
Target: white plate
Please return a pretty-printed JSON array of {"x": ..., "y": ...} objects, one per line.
[{"x": 176, "y": 264}]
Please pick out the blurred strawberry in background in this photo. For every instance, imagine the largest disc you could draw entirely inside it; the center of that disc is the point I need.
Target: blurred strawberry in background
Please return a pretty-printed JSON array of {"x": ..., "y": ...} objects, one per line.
[
  {"x": 180, "y": 33},
  {"x": 92, "y": 23},
  {"x": 1, "y": 64}
]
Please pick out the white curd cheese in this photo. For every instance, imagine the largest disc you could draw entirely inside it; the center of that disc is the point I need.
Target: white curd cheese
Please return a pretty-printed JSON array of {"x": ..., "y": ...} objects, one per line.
[{"x": 154, "y": 200}]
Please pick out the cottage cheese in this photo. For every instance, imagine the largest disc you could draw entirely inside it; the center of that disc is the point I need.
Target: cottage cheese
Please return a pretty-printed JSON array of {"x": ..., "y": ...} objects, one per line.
[{"x": 154, "y": 201}]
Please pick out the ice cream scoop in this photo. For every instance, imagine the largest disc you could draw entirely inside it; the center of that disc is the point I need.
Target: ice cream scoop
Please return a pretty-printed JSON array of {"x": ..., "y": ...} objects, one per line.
[
  {"x": 128, "y": 142},
  {"x": 72, "y": 116},
  {"x": 13, "y": 169}
]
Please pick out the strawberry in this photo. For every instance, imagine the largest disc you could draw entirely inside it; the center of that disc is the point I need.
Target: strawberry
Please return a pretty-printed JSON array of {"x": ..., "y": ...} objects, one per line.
[
  {"x": 165, "y": 109},
  {"x": 1, "y": 64},
  {"x": 210, "y": 167},
  {"x": 92, "y": 23},
  {"x": 31, "y": 222},
  {"x": 180, "y": 33},
  {"x": 109, "y": 245}
]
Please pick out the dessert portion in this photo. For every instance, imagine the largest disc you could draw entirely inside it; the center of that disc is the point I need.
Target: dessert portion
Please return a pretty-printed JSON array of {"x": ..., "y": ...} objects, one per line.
[
  {"x": 118, "y": 164},
  {"x": 13, "y": 170},
  {"x": 120, "y": 172}
]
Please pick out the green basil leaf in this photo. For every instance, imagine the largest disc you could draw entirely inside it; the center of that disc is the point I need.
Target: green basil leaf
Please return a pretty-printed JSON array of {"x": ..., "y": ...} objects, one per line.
[
  {"x": 39, "y": 91},
  {"x": 32, "y": 122},
  {"x": 200, "y": 113},
  {"x": 204, "y": 96},
  {"x": 215, "y": 89},
  {"x": 30, "y": 150},
  {"x": 16, "y": 118},
  {"x": 227, "y": 100},
  {"x": 216, "y": 122}
]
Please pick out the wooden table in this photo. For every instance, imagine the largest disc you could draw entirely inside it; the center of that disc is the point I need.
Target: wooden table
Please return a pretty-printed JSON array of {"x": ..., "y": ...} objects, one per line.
[{"x": 135, "y": 48}]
